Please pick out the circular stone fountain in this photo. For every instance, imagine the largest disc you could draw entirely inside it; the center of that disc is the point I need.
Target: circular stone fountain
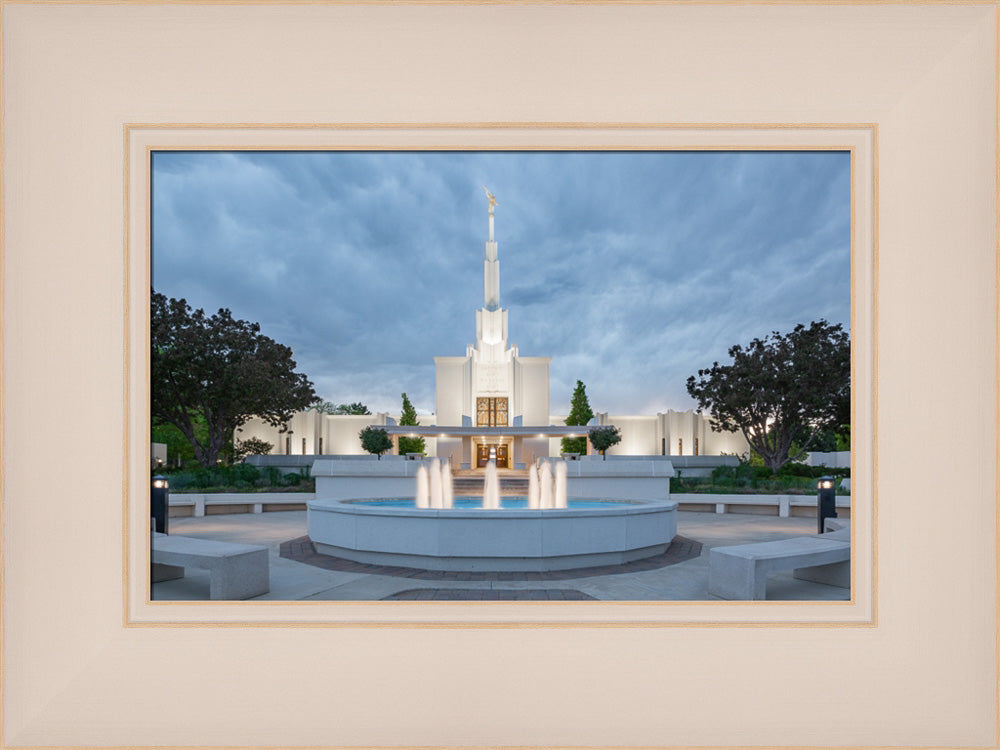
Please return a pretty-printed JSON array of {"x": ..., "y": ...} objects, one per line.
[
  {"x": 603, "y": 533},
  {"x": 539, "y": 533}
]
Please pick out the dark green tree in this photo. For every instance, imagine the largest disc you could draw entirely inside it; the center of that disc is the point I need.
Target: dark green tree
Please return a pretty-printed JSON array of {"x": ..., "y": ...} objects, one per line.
[
  {"x": 179, "y": 448},
  {"x": 328, "y": 407},
  {"x": 221, "y": 370},
  {"x": 580, "y": 413},
  {"x": 251, "y": 447},
  {"x": 375, "y": 440},
  {"x": 780, "y": 391},
  {"x": 354, "y": 408},
  {"x": 408, "y": 418},
  {"x": 603, "y": 438}
]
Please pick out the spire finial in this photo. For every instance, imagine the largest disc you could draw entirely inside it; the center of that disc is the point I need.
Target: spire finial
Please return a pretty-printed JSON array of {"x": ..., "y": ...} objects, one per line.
[{"x": 492, "y": 198}]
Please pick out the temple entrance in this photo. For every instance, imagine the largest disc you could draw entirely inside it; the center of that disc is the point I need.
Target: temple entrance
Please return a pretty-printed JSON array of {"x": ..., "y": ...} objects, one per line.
[{"x": 485, "y": 452}]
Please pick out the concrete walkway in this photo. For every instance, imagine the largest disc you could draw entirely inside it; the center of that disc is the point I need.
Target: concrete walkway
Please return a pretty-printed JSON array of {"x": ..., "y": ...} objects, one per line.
[{"x": 687, "y": 580}]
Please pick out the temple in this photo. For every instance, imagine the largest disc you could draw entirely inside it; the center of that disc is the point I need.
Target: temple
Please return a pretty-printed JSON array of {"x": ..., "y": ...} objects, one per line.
[{"x": 493, "y": 403}]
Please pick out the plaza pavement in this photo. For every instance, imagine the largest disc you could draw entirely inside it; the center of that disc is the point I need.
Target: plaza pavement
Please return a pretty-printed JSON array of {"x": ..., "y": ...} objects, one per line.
[{"x": 687, "y": 580}]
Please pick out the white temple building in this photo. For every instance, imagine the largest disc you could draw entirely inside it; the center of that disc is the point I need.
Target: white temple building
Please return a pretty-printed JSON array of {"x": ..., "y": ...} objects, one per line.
[{"x": 494, "y": 403}]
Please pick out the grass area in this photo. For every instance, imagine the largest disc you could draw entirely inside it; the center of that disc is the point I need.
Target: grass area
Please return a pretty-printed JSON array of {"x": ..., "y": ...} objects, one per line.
[{"x": 237, "y": 478}]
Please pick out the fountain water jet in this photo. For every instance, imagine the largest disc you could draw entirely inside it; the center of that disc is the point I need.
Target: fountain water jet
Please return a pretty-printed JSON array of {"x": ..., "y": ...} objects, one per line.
[
  {"x": 491, "y": 489},
  {"x": 447, "y": 486},
  {"x": 533, "y": 498},
  {"x": 559, "y": 494},
  {"x": 436, "y": 491},
  {"x": 545, "y": 486},
  {"x": 423, "y": 488}
]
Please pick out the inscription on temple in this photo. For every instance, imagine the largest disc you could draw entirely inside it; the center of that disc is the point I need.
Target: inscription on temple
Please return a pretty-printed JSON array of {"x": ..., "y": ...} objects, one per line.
[{"x": 493, "y": 377}]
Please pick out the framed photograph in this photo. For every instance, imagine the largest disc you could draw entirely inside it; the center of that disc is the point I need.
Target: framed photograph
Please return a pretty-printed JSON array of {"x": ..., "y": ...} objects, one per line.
[
  {"x": 625, "y": 291},
  {"x": 94, "y": 94}
]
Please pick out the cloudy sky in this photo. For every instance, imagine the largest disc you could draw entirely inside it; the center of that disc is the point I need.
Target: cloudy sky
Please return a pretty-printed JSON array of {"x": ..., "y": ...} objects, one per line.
[{"x": 632, "y": 270}]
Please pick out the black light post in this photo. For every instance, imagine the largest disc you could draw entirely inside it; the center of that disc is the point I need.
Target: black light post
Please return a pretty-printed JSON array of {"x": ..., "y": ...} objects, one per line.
[
  {"x": 158, "y": 496},
  {"x": 826, "y": 501}
]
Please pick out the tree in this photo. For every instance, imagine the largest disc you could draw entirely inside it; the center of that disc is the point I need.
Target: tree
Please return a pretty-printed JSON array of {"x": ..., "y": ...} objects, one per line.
[
  {"x": 221, "y": 370},
  {"x": 251, "y": 447},
  {"x": 779, "y": 390},
  {"x": 179, "y": 449},
  {"x": 328, "y": 407},
  {"x": 580, "y": 413},
  {"x": 355, "y": 408},
  {"x": 375, "y": 440},
  {"x": 604, "y": 437},
  {"x": 409, "y": 419}
]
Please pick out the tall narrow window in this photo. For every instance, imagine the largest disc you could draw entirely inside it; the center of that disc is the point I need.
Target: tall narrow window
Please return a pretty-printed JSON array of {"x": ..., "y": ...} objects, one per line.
[
  {"x": 303, "y": 446},
  {"x": 663, "y": 446},
  {"x": 680, "y": 446},
  {"x": 321, "y": 446},
  {"x": 288, "y": 446},
  {"x": 696, "y": 446}
]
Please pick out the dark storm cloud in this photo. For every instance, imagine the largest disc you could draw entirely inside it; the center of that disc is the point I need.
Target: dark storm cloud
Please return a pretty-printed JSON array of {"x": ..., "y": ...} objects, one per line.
[{"x": 631, "y": 270}]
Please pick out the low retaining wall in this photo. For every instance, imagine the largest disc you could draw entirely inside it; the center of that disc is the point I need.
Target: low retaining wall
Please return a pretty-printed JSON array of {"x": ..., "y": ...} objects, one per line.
[
  {"x": 621, "y": 479},
  {"x": 773, "y": 505},
  {"x": 343, "y": 479},
  {"x": 220, "y": 503}
]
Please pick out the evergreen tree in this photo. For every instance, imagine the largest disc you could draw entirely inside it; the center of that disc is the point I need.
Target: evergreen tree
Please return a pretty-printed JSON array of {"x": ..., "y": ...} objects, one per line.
[
  {"x": 409, "y": 419},
  {"x": 580, "y": 413}
]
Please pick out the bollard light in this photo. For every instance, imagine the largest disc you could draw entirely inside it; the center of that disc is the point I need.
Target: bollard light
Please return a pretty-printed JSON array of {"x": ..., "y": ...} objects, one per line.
[
  {"x": 159, "y": 503},
  {"x": 826, "y": 501}
]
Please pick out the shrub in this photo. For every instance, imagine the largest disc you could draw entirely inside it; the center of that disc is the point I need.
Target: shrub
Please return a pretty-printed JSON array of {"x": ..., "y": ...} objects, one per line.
[
  {"x": 251, "y": 447},
  {"x": 375, "y": 440},
  {"x": 242, "y": 473}
]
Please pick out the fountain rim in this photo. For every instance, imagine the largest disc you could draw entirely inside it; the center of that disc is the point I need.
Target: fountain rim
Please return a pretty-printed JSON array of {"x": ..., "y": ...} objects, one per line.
[{"x": 361, "y": 506}]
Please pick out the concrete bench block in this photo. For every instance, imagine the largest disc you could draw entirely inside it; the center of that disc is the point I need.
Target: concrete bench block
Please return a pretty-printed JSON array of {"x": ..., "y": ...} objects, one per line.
[
  {"x": 740, "y": 571},
  {"x": 236, "y": 571},
  {"x": 834, "y": 574},
  {"x": 160, "y": 572}
]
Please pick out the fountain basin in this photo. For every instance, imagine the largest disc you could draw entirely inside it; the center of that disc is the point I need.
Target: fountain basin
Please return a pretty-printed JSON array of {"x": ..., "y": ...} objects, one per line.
[{"x": 610, "y": 532}]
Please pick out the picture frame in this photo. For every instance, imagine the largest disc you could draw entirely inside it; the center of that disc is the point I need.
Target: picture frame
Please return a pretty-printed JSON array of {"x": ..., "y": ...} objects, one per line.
[{"x": 84, "y": 662}]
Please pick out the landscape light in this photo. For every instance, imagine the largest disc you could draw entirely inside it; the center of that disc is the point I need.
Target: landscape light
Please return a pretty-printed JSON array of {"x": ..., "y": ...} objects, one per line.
[
  {"x": 826, "y": 502},
  {"x": 160, "y": 483}
]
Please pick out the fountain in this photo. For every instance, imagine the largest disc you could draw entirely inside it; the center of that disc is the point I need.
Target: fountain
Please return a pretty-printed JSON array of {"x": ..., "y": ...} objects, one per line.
[
  {"x": 545, "y": 486},
  {"x": 423, "y": 499},
  {"x": 559, "y": 486},
  {"x": 533, "y": 498},
  {"x": 491, "y": 487},
  {"x": 447, "y": 488},
  {"x": 437, "y": 493},
  {"x": 550, "y": 529}
]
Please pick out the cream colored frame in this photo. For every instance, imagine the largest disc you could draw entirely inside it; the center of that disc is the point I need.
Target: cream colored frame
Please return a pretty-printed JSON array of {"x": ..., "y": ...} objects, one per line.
[{"x": 80, "y": 665}]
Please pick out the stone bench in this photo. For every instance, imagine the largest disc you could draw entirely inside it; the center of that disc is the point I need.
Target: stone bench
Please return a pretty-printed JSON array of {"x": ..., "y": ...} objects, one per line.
[
  {"x": 237, "y": 571},
  {"x": 740, "y": 571}
]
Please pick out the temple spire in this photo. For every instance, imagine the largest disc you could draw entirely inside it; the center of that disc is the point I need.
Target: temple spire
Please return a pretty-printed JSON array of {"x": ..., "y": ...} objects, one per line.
[
  {"x": 493, "y": 204},
  {"x": 491, "y": 270}
]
